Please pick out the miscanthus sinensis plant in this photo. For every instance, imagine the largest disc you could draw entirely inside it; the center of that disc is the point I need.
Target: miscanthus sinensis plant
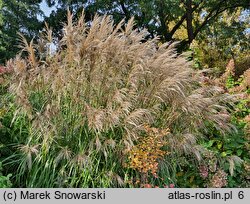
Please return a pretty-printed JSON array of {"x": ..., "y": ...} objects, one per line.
[{"x": 82, "y": 109}]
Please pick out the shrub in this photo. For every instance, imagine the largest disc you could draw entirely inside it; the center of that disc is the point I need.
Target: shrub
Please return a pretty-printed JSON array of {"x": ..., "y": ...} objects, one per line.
[
  {"x": 81, "y": 110},
  {"x": 144, "y": 156},
  {"x": 226, "y": 163},
  {"x": 4, "y": 180}
]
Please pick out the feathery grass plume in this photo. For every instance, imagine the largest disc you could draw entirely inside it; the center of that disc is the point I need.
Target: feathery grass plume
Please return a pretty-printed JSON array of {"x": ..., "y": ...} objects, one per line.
[
  {"x": 29, "y": 48},
  {"x": 45, "y": 42},
  {"x": 89, "y": 102}
]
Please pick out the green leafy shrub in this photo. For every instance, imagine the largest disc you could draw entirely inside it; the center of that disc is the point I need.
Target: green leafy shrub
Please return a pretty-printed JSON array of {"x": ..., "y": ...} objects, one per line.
[
  {"x": 4, "y": 180},
  {"x": 226, "y": 157}
]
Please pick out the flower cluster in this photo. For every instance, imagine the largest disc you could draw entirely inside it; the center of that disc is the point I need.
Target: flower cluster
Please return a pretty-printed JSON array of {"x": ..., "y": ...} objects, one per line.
[
  {"x": 203, "y": 171},
  {"x": 214, "y": 176},
  {"x": 219, "y": 179}
]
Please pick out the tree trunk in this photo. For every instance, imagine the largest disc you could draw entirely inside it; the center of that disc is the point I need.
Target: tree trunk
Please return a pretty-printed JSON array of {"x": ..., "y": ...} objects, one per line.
[{"x": 189, "y": 19}]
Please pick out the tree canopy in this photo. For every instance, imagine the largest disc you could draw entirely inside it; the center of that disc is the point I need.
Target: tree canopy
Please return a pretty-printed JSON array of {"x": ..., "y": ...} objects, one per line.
[
  {"x": 18, "y": 16},
  {"x": 160, "y": 17},
  {"x": 171, "y": 20}
]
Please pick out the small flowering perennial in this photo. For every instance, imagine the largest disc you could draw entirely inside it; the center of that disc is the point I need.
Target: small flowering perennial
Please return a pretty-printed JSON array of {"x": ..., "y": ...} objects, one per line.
[
  {"x": 219, "y": 179},
  {"x": 144, "y": 156}
]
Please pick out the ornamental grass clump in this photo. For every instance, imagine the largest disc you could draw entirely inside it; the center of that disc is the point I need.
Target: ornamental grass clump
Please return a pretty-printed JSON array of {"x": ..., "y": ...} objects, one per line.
[{"x": 81, "y": 109}]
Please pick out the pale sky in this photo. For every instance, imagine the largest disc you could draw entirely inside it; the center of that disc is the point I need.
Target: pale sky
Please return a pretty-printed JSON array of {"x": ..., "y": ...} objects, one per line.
[{"x": 47, "y": 10}]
